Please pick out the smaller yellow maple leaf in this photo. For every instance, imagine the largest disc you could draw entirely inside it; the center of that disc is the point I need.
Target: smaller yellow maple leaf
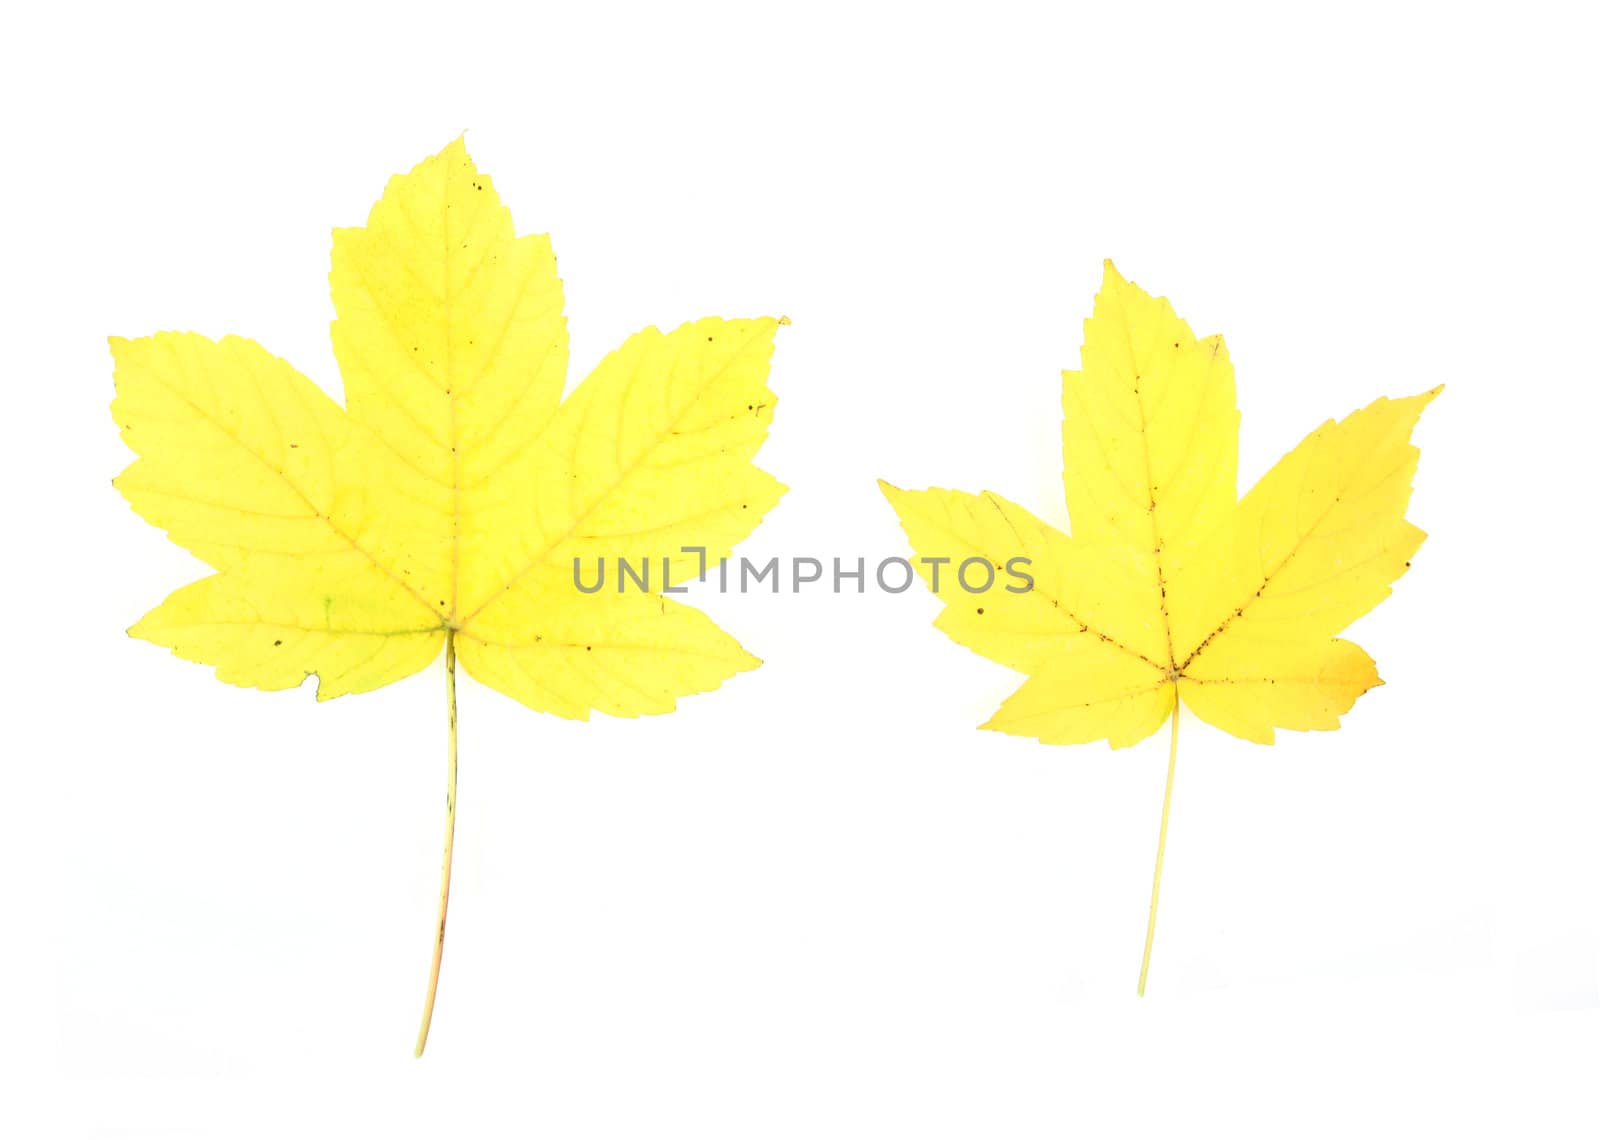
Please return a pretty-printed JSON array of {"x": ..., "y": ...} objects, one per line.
[
  {"x": 444, "y": 506},
  {"x": 1169, "y": 589}
]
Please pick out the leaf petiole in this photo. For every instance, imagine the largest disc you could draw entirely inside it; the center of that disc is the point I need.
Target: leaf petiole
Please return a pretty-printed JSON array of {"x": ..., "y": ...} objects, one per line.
[
  {"x": 449, "y": 840},
  {"x": 1161, "y": 849}
]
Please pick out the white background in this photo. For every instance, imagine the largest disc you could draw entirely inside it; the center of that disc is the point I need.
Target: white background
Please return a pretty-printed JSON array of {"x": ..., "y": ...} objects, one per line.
[{"x": 818, "y": 902}]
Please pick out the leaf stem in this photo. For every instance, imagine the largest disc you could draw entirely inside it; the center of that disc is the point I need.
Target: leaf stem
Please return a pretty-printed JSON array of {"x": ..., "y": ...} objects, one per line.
[
  {"x": 449, "y": 840},
  {"x": 1161, "y": 850}
]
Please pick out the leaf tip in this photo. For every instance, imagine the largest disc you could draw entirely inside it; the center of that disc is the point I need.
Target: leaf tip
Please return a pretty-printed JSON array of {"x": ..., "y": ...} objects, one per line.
[{"x": 146, "y": 630}]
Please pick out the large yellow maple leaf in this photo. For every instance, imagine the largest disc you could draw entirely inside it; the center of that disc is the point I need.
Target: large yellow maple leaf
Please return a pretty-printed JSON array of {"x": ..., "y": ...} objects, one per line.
[
  {"x": 1169, "y": 588},
  {"x": 443, "y": 507}
]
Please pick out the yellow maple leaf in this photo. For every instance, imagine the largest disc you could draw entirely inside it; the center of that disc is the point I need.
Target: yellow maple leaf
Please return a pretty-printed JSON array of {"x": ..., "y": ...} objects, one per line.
[
  {"x": 1170, "y": 589},
  {"x": 444, "y": 506}
]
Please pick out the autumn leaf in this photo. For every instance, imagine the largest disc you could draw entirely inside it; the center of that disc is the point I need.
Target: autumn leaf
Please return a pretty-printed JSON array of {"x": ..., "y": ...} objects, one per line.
[
  {"x": 1170, "y": 589},
  {"x": 443, "y": 507}
]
